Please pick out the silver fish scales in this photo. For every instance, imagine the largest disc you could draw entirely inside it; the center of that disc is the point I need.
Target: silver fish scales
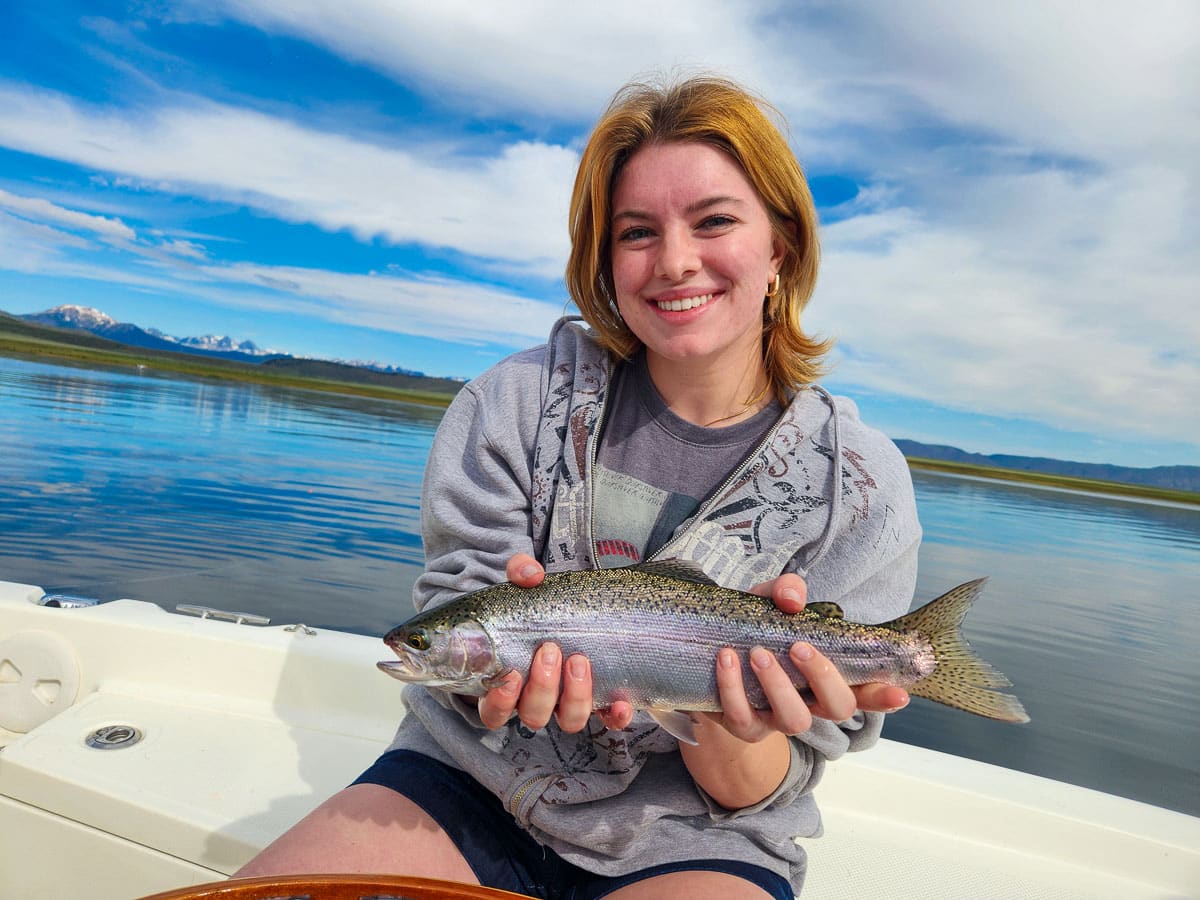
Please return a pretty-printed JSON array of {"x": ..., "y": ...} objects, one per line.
[{"x": 652, "y": 633}]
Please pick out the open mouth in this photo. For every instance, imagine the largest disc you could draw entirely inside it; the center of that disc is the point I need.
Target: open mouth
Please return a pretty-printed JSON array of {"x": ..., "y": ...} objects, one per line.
[{"x": 683, "y": 304}]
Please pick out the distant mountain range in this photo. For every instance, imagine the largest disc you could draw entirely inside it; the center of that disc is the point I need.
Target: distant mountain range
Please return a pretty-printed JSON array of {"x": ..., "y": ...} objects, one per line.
[
  {"x": 1178, "y": 478},
  {"x": 82, "y": 320},
  {"x": 85, "y": 318},
  {"x": 93, "y": 321},
  {"x": 90, "y": 327}
]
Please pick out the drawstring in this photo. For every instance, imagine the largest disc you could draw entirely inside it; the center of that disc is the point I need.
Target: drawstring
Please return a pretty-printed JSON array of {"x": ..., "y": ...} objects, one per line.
[{"x": 835, "y": 501}]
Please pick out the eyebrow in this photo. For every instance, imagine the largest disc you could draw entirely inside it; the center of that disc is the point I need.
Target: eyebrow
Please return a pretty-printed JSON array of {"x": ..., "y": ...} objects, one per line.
[{"x": 691, "y": 209}]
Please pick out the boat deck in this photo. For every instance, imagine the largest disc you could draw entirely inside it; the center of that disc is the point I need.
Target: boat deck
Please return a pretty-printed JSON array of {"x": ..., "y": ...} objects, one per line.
[{"x": 246, "y": 728}]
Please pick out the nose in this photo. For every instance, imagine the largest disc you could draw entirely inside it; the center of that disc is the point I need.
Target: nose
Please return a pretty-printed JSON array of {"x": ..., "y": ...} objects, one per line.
[{"x": 678, "y": 255}]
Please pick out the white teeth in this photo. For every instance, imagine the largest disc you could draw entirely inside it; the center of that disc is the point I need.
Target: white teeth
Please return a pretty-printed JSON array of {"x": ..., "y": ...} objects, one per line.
[{"x": 681, "y": 305}]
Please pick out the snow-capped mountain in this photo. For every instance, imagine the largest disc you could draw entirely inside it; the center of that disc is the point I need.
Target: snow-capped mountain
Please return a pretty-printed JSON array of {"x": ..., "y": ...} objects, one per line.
[
  {"x": 213, "y": 343},
  {"x": 85, "y": 318},
  {"x": 69, "y": 316}
]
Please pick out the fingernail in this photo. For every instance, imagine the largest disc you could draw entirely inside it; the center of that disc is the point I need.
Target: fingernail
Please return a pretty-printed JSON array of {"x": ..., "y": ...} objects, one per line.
[
  {"x": 550, "y": 657},
  {"x": 791, "y": 595},
  {"x": 760, "y": 658},
  {"x": 577, "y": 668},
  {"x": 527, "y": 571},
  {"x": 802, "y": 651},
  {"x": 727, "y": 659}
]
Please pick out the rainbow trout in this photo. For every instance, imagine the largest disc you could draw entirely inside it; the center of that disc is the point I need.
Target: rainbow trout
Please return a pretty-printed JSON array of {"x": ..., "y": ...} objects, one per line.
[{"x": 652, "y": 632}]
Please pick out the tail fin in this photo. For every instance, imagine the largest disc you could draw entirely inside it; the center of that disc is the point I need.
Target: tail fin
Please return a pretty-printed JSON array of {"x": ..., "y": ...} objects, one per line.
[{"x": 962, "y": 679}]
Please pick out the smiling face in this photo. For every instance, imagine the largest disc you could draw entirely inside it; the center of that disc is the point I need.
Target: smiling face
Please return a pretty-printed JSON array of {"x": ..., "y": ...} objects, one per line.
[{"x": 693, "y": 255}]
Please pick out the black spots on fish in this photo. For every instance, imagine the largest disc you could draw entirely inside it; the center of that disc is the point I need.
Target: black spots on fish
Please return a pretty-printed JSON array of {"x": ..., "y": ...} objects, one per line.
[
  {"x": 666, "y": 615},
  {"x": 682, "y": 569}
]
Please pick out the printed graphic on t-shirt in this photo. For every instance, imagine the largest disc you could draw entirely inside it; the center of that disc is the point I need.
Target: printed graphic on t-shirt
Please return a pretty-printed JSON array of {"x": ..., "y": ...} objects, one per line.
[{"x": 634, "y": 518}]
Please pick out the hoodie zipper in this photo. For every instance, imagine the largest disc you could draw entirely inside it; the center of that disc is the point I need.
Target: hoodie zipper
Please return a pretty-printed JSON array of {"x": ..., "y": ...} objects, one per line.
[
  {"x": 514, "y": 802},
  {"x": 716, "y": 495},
  {"x": 589, "y": 476}
]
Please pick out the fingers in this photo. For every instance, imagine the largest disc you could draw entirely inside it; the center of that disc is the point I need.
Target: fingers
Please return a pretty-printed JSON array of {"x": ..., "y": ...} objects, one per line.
[
  {"x": 789, "y": 591},
  {"x": 881, "y": 697},
  {"x": 497, "y": 705},
  {"x": 787, "y": 713},
  {"x": 617, "y": 717},
  {"x": 835, "y": 700},
  {"x": 738, "y": 717},
  {"x": 524, "y": 571},
  {"x": 550, "y": 690},
  {"x": 540, "y": 694},
  {"x": 575, "y": 702}
]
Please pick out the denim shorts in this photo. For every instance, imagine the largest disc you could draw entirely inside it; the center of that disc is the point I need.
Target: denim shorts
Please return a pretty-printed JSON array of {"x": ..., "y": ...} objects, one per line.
[{"x": 503, "y": 855}]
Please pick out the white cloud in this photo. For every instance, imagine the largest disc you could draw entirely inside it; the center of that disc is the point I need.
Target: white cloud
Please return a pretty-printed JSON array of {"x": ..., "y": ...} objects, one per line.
[
  {"x": 1098, "y": 80},
  {"x": 1023, "y": 245},
  {"x": 509, "y": 207},
  {"x": 1068, "y": 300},
  {"x": 1047, "y": 74},
  {"x": 38, "y": 210},
  {"x": 554, "y": 59},
  {"x": 443, "y": 308},
  {"x": 30, "y": 246}
]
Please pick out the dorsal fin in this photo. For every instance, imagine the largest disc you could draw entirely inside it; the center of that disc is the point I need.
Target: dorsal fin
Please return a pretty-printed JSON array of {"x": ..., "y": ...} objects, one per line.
[
  {"x": 828, "y": 610},
  {"x": 683, "y": 569}
]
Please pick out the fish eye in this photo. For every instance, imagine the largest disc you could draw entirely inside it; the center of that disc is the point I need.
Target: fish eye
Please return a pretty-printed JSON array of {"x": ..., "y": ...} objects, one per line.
[{"x": 417, "y": 639}]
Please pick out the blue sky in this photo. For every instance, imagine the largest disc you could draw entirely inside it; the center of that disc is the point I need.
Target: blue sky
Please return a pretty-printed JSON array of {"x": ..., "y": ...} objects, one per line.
[{"x": 1010, "y": 191}]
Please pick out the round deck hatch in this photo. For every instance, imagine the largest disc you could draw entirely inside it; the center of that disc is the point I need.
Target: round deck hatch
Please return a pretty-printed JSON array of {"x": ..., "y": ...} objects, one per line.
[{"x": 113, "y": 737}]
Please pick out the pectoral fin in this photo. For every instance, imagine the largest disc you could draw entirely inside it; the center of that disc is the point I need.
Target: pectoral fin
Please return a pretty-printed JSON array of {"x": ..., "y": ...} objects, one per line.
[
  {"x": 494, "y": 681},
  {"x": 677, "y": 723}
]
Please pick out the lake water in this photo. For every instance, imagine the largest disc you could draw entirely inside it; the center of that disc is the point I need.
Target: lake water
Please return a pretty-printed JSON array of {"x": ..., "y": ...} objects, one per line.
[{"x": 304, "y": 507}]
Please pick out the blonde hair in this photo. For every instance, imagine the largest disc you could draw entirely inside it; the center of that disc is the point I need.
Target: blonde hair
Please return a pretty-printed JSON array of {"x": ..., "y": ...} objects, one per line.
[{"x": 713, "y": 111}]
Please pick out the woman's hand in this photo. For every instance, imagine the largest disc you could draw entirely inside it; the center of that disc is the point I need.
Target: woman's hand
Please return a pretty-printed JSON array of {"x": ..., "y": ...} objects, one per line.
[
  {"x": 743, "y": 753},
  {"x": 554, "y": 688},
  {"x": 789, "y": 712}
]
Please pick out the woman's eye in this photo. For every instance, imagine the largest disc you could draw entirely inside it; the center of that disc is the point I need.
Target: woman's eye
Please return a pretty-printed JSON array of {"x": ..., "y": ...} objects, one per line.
[
  {"x": 714, "y": 222},
  {"x": 634, "y": 234},
  {"x": 417, "y": 640}
]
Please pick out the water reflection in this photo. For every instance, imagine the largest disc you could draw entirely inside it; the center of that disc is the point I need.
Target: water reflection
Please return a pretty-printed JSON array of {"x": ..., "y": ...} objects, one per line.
[
  {"x": 305, "y": 506},
  {"x": 296, "y": 504},
  {"x": 1091, "y": 609}
]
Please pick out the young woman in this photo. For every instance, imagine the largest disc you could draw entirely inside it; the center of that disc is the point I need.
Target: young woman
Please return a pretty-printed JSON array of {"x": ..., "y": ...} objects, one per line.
[{"x": 683, "y": 422}]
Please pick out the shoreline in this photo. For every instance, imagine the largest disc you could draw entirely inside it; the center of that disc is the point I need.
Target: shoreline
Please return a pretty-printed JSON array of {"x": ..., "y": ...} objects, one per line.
[
  {"x": 1057, "y": 482},
  {"x": 36, "y": 349}
]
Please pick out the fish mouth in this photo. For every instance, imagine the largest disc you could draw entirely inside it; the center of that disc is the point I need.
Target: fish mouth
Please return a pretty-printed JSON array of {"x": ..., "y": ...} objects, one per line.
[
  {"x": 408, "y": 670},
  {"x": 398, "y": 669},
  {"x": 402, "y": 670}
]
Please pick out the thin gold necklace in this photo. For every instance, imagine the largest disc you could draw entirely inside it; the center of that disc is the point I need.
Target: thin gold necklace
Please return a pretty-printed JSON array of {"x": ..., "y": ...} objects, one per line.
[{"x": 755, "y": 401}]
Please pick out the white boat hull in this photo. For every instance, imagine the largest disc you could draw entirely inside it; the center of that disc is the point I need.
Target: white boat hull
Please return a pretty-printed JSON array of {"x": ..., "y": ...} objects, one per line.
[{"x": 245, "y": 729}]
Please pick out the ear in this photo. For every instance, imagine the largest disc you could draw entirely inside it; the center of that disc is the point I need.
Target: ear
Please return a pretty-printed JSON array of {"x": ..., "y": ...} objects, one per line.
[{"x": 780, "y": 247}]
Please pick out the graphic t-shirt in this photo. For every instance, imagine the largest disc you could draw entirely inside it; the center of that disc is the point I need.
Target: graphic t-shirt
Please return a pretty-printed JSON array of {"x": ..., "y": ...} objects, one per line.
[{"x": 654, "y": 469}]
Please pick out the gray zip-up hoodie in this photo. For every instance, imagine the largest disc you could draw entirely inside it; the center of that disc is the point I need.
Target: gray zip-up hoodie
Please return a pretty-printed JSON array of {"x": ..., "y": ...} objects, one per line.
[{"x": 508, "y": 473}]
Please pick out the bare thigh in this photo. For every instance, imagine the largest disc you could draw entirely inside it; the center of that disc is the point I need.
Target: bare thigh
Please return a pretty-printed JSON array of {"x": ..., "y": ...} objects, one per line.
[
  {"x": 363, "y": 828},
  {"x": 695, "y": 885}
]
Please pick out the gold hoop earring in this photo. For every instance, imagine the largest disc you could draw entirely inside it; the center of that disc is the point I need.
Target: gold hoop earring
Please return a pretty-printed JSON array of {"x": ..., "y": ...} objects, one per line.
[{"x": 774, "y": 289}]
